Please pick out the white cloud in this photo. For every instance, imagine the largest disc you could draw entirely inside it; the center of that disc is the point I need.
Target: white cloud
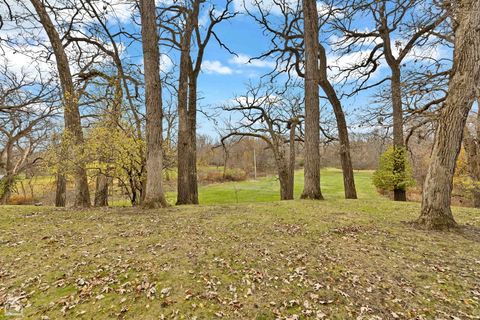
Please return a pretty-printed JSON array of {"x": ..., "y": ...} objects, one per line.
[
  {"x": 244, "y": 60},
  {"x": 266, "y": 5},
  {"x": 215, "y": 66}
]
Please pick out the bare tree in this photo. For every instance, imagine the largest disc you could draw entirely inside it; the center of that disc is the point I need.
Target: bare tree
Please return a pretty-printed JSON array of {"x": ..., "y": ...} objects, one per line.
[
  {"x": 414, "y": 20},
  {"x": 28, "y": 107},
  {"x": 185, "y": 33},
  {"x": 289, "y": 51},
  {"x": 463, "y": 90},
  {"x": 311, "y": 189},
  {"x": 275, "y": 118},
  {"x": 70, "y": 100},
  {"x": 154, "y": 196}
]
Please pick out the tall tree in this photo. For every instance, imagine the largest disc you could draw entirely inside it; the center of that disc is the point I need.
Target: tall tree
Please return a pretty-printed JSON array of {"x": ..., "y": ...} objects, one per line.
[
  {"x": 286, "y": 37},
  {"x": 399, "y": 27},
  {"x": 73, "y": 125},
  {"x": 275, "y": 118},
  {"x": 191, "y": 38},
  {"x": 311, "y": 188},
  {"x": 154, "y": 196},
  {"x": 463, "y": 89}
]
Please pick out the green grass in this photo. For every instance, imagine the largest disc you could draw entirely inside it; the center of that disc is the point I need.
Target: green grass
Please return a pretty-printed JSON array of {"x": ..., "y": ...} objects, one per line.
[
  {"x": 267, "y": 189},
  {"x": 335, "y": 259}
]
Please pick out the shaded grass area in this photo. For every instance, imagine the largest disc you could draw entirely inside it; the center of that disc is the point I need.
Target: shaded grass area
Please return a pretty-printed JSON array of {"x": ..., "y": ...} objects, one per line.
[{"x": 334, "y": 259}]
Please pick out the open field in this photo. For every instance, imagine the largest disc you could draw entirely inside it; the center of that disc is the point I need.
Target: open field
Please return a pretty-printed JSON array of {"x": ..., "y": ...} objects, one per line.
[
  {"x": 262, "y": 190},
  {"x": 265, "y": 189},
  {"x": 334, "y": 259}
]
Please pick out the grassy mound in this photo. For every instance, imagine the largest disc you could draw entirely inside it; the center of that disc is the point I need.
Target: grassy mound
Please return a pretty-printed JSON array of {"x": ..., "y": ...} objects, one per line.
[{"x": 334, "y": 259}]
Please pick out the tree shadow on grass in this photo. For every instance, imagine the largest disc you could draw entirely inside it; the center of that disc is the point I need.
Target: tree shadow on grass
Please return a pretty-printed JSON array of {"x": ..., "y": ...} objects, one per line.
[{"x": 469, "y": 232}]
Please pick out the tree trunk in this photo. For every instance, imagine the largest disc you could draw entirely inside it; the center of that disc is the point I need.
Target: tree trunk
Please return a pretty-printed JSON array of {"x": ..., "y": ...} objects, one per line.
[
  {"x": 472, "y": 151},
  {"x": 154, "y": 196},
  {"x": 70, "y": 100},
  {"x": 476, "y": 198},
  {"x": 192, "y": 145},
  {"x": 291, "y": 165},
  {"x": 286, "y": 188},
  {"x": 312, "y": 108},
  {"x": 398, "y": 140},
  {"x": 7, "y": 185},
  {"x": 183, "y": 142},
  {"x": 101, "y": 194},
  {"x": 345, "y": 157},
  {"x": 61, "y": 191},
  {"x": 463, "y": 88}
]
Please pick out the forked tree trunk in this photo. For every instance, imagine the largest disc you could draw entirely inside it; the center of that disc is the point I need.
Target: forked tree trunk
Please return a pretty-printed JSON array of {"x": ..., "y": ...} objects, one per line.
[
  {"x": 112, "y": 118},
  {"x": 70, "y": 100},
  {"x": 399, "y": 194},
  {"x": 463, "y": 88},
  {"x": 61, "y": 191},
  {"x": 312, "y": 103},
  {"x": 154, "y": 196}
]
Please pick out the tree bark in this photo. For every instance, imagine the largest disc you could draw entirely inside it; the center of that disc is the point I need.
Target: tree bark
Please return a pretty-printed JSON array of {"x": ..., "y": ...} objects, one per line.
[
  {"x": 154, "y": 196},
  {"x": 71, "y": 114},
  {"x": 7, "y": 185},
  {"x": 186, "y": 181},
  {"x": 398, "y": 140},
  {"x": 286, "y": 188},
  {"x": 463, "y": 89},
  {"x": 192, "y": 146},
  {"x": 291, "y": 165},
  {"x": 101, "y": 193},
  {"x": 61, "y": 191},
  {"x": 312, "y": 103},
  {"x": 472, "y": 150}
]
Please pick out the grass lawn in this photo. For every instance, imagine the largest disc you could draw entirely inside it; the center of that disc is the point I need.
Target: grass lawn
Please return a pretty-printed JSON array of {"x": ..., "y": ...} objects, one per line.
[
  {"x": 333, "y": 259},
  {"x": 267, "y": 189}
]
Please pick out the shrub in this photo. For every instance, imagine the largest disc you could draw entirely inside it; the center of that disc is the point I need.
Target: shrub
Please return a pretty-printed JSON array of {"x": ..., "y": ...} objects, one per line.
[
  {"x": 389, "y": 175},
  {"x": 21, "y": 200},
  {"x": 230, "y": 175},
  {"x": 235, "y": 175}
]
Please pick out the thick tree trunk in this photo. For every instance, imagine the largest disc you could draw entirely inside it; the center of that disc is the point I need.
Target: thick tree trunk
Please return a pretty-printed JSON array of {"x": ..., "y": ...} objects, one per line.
[
  {"x": 7, "y": 184},
  {"x": 463, "y": 88},
  {"x": 154, "y": 196},
  {"x": 476, "y": 198},
  {"x": 71, "y": 114},
  {"x": 61, "y": 191},
  {"x": 101, "y": 193},
  {"x": 183, "y": 142},
  {"x": 286, "y": 187},
  {"x": 312, "y": 108}
]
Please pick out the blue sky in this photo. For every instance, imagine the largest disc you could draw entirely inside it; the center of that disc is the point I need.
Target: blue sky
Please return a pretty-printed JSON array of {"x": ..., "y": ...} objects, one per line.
[{"x": 225, "y": 75}]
